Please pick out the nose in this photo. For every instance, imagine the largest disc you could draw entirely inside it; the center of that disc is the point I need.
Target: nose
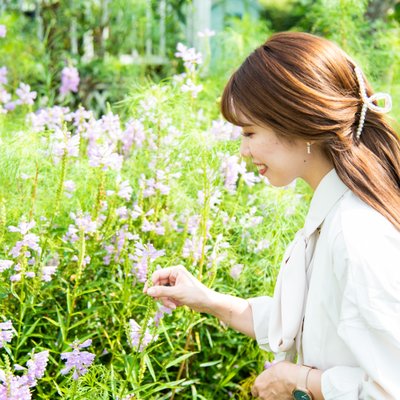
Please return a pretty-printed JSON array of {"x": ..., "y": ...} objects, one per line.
[{"x": 244, "y": 148}]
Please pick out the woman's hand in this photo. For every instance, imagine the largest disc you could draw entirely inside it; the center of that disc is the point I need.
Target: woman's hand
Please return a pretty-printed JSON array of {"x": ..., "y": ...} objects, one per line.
[
  {"x": 277, "y": 382},
  {"x": 175, "y": 286}
]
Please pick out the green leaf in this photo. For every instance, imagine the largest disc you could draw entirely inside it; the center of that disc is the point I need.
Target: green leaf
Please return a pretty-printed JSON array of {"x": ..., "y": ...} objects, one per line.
[
  {"x": 150, "y": 367},
  {"x": 180, "y": 359},
  {"x": 210, "y": 363}
]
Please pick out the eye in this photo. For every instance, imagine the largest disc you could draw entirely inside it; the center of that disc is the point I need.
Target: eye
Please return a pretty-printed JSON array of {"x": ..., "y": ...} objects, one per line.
[{"x": 247, "y": 134}]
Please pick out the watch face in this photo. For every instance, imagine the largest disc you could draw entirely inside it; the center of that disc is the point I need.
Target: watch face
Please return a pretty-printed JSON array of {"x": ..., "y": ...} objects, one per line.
[{"x": 300, "y": 395}]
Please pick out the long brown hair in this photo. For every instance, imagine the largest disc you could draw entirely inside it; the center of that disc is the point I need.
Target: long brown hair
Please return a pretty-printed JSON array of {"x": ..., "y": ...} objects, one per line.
[{"x": 305, "y": 86}]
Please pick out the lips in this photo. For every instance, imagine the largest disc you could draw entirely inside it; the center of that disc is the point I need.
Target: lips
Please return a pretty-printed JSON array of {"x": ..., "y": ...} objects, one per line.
[
  {"x": 262, "y": 171},
  {"x": 262, "y": 168}
]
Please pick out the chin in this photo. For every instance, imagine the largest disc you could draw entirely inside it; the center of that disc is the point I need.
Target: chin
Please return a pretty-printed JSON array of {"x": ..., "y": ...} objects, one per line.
[{"x": 280, "y": 183}]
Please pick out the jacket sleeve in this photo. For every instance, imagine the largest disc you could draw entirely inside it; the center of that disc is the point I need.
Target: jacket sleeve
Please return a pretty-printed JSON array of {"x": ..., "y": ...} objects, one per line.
[{"x": 261, "y": 309}]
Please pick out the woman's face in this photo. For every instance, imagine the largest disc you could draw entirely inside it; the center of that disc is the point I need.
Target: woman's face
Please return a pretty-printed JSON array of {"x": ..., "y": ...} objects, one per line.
[{"x": 276, "y": 159}]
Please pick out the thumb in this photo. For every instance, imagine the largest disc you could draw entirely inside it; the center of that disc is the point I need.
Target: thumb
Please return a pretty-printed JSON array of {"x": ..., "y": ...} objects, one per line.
[{"x": 161, "y": 291}]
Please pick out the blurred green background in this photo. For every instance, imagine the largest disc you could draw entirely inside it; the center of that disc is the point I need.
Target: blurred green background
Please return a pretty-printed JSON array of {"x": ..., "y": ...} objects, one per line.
[{"x": 116, "y": 44}]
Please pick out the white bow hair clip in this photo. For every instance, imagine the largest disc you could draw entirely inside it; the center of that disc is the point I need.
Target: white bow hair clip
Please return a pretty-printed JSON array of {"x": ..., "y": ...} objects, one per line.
[{"x": 368, "y": 102}]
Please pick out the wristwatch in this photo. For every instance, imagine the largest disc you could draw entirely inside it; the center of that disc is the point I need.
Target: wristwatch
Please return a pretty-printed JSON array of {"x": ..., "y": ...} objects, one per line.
[{"x": 301, "y": 392}]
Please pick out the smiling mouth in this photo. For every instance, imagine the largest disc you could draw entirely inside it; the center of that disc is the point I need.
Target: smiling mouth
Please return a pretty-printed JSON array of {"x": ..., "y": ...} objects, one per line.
[{"x": 262, "y": 168}]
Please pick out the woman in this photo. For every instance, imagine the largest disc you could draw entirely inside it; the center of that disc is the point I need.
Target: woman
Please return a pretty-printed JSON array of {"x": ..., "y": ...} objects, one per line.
[{"x": 308, "y": 112}]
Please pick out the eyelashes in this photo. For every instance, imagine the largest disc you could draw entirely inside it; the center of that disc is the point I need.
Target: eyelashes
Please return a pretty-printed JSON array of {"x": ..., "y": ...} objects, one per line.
[{"x": 247, "y": 134}]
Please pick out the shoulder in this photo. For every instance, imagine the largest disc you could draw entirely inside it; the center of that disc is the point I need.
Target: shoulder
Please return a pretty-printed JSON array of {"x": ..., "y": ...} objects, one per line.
[
  {"x": 363, "y": 239},
  {"x": 366, "y": 263},
  {"x": 364, "y": 229}
]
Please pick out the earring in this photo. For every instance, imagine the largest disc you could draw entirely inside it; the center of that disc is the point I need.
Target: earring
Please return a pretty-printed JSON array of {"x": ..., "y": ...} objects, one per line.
[{"x": 308, "y": 148}]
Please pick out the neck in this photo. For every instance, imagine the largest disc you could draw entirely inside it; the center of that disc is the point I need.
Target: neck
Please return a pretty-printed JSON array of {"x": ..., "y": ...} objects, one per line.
[{"x": 318, "y": 166}]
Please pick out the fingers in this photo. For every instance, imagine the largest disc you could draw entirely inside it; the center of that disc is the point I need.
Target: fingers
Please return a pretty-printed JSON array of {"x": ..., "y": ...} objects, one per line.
[
  {"x": 167, "y": 302},
  {"x": 166, "y": 275},
  {"x": 161, "y": 291}
]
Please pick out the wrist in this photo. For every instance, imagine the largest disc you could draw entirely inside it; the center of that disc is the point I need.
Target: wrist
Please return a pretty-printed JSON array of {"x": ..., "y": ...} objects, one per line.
[
  {"x": 208, "y": 301},
  {"x": 302, "y": 390}
]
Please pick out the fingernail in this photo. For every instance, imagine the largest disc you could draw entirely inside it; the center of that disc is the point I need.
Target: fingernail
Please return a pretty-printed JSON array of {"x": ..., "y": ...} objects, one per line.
[{"x": 150, "y": 291}]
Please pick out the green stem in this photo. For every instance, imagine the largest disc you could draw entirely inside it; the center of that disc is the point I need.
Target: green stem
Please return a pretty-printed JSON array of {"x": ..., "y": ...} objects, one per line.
[
  {"x": 100, "y": 194},
  {"x": 33, "y": 194},
  {"x": 60, "y": 188}
]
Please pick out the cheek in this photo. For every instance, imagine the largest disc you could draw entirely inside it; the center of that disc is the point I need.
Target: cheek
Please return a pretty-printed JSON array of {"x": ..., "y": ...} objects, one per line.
[{"x": 268, "y": 146}]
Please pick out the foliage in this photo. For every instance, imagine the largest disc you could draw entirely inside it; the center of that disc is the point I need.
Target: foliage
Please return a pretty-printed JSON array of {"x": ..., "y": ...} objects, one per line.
[{"x": 159, "y": 188}]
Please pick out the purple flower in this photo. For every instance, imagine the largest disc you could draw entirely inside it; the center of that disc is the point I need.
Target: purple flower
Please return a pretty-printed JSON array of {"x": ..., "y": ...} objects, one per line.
[
  {"x": 236, "y": 270},
  {"x": 125, "y": 190},
  {"x": 223, "y": 130},
  {"x": 230, "y": 169},
  {"x": 3, "y": 31},
  {"x": 64, "y": 144},
  {"x": 5, "y": 97},
  {"x": 77, "y": 360},
  {"x": 47, "y": 272},
  {"x": 69, "y": 80},
  {"x": 144, "y": 254},
  {"x": 6, "y": 332},
  {"x": 14, "y": 387},
  {"x": 104, "y": 156},
  {"x": 189, "y": 55},
  {"x": 23, "y": 227},
  {"x": 29, "y": 240},
  {"x": 111, "y": 126},
  {"x": 49, "y": 118},
  {"x": 3, "y": 76},
  {"x": 69, "y": 186},
  {"x": 193, "y": 224},
  {"x": 162, "y": 310},
  {"x": 5, "y": 264},
  {"x": 262, "y": 245},
  {"x": 133, "y": 134},
  {"x": 139, "y": 339},
  {"x": 25, "y": 95},
  {"x": 193, "y": 247},
  {"x": 84, "y": 222},
  {"x": 190, "y": 87},
  {"x": 16, "y": 277},
  {"x": 122, "y": 212},
  {"x": 37, "y": 366},
  {"x": 250, "y": 178}
]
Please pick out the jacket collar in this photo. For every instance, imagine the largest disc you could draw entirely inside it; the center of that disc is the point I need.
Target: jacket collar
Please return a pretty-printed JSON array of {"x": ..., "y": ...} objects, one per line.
[{"x": 329, "y": 191}]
